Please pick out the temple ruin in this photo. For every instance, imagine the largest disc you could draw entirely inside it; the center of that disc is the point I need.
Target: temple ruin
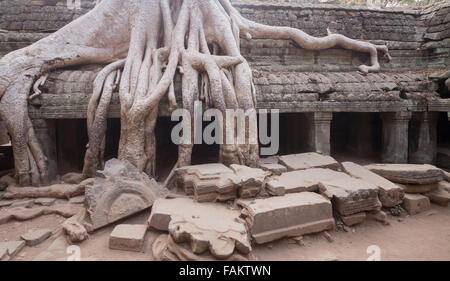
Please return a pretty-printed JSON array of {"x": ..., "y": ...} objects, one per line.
[{"x": 357, "y": 142}]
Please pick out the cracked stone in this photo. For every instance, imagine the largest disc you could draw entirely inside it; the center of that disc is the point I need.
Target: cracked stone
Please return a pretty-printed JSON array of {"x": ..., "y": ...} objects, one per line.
[{"x": 415, "y": 203}]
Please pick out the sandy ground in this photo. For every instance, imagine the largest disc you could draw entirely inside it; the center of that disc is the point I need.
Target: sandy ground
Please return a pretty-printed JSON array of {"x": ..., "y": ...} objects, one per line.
[{"x": 425, "y": 236}]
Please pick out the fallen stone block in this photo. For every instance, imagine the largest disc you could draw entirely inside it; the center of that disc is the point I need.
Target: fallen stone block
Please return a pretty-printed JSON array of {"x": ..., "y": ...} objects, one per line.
[
  {"x": 120, "y": 190},
  {"x": 12, "y": 248},
  {"x": 45, "y": 201},
  {"x": 439, "y": 196},
  {"x": 291, "y": 215},
  {"x": 299, "y": 181},
  {"x": 204, "y": 226},
  {"x": 350, "y": 196},
  {"x": 36, "y": 237},
  {"x": 415, "y": 203},
  {"x": 353, "y": 219},
  {"x": 271, "y": 164},
  {"x": 251, "y": 180},
  {"x": 390, "y": 194},
  {"x": 208, "y": 182},
  {"x": 379, "y": 216},
  {"x": 408, "y": 173},
  {"x": 418, "y": 188},
  {"x": 128, "y": 237},
  {"x": 309, "y": 160}
]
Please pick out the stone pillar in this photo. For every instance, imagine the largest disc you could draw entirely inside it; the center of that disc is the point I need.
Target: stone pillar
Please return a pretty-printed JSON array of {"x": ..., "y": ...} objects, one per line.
[
  {"x": 423, "y": 138},
  {"x": 395, "y": 137},
  {"x": 46, "y": 134},
  {"x": 319, "y": 132}
]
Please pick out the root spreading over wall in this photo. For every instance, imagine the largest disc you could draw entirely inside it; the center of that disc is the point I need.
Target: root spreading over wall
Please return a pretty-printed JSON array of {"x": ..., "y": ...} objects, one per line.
[{"x": 144, "y": 44}]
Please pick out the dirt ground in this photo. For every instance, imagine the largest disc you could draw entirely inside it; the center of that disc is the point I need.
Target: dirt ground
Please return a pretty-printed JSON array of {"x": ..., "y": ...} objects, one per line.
[{"x": 425, "y": 236}]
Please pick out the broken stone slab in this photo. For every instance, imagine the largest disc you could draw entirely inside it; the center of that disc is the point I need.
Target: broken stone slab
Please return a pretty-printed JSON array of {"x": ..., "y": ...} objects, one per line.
[
  {"x": 408, "y": 173},
  {"x": 416, "y": 203},
  {"x": 353, "y": 219},
  {"x": 128, "y": 237},
  {"x": 350, "y": 196},
  {"x": 309, "y": 160},
  {"x": 390, "y": 194},
  {"x": 419, "y": 188},
  {"x": 271, "y": 164},
  {"x": 12, "y": 248},
  {"x": 207, "y": 227},
  {"x": 299, "y": 181},
  {"x": 208, "y": 182},
  {"x": 45, "y": 201},
  {"x": 439, "y": 196},
  {"x": 251, "y": 180},
  {"x": 36, "y": 237},
  {"x": 291, "y": 215},
  {"x": 120, "y": 190}
]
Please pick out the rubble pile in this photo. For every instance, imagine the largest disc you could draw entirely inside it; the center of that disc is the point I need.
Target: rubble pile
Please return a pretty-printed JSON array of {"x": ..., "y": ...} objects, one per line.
[{"x": 215, "y": 212}]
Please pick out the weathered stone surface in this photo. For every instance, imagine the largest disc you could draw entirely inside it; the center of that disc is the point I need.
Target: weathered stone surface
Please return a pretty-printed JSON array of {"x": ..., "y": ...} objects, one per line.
[
  {"x": 378, "y": 215},
  {"x": 12, "y": 248},
  {"x": 291, "y": 215},
  {"x": 208, "y": 182},
  {"x": 119, "y": 191},
  {"x": 299, "y": 181},
  {"x": 419, "y": 188},
  {"x": 446, "y": 176},
  {"x": 45, "y": 201},
  {"x": 36, "y": 237},
  {"x": 128, "y": 237},
  {"x": 439, "y": 196},
  {"x": 304, "y": 161},
  {"x": 271, "y": 164},
  {"x": 205, "y": 226},
  {"x": 390, "y": 194},
  {"x": 416, "y": 203},
  {"x": 350, "y": 196},
  {"x": 353, "y": 219},
  {"x": 74, "y": 229},
  {"x": 251, "y": 180},
  {"x": 408, "y": 173}
]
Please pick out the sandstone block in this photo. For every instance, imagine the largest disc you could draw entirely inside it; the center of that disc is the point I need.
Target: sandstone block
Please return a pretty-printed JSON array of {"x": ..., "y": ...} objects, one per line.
[
  {"x": 353, "y": 219},
  {"x": 390, "y": 194},
  {"x": 206, "y": 227},
  {"x": 271, "y": 164},
  {"x": 408, "y": 173},
  {"x": 439, "y": 196},
  {"x": 36, "y": 237},
  {"x": 128, "y": 237},
  {"x": 299, "y": 181},
  {"x": 350, "y": 196},
  {"x": 119, "y": 191},
  {"x": 419, "y": 188},
  {"x": 415, "y": 203},
  {"x": 310, "y": 160},
  {"x": 291, "y": 215}
]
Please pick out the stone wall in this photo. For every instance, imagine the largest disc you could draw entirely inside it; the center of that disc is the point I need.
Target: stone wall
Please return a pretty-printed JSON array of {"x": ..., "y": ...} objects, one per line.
[{"x": 417, "y": 39}]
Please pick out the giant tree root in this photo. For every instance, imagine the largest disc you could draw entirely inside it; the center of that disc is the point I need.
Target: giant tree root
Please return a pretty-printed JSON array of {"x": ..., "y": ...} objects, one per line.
[
  {"x": 73, "y": 228},
  {"x": 24, "y": 214},
  {"x": 145, "y": 43},
  {"x": 62, "y": 191}
]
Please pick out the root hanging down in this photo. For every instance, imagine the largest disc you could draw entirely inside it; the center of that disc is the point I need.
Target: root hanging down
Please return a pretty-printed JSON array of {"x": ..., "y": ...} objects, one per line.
[{"x": 144, "y": 44}]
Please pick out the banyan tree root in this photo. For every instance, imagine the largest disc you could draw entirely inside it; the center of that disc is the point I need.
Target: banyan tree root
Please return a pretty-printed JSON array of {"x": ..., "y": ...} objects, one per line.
[
  {"x": 24, "y": 214},
  {"x": 145, "y": 43},
  {"x": 62, "y": 191},
  {"x": 73, "y": 228}
]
